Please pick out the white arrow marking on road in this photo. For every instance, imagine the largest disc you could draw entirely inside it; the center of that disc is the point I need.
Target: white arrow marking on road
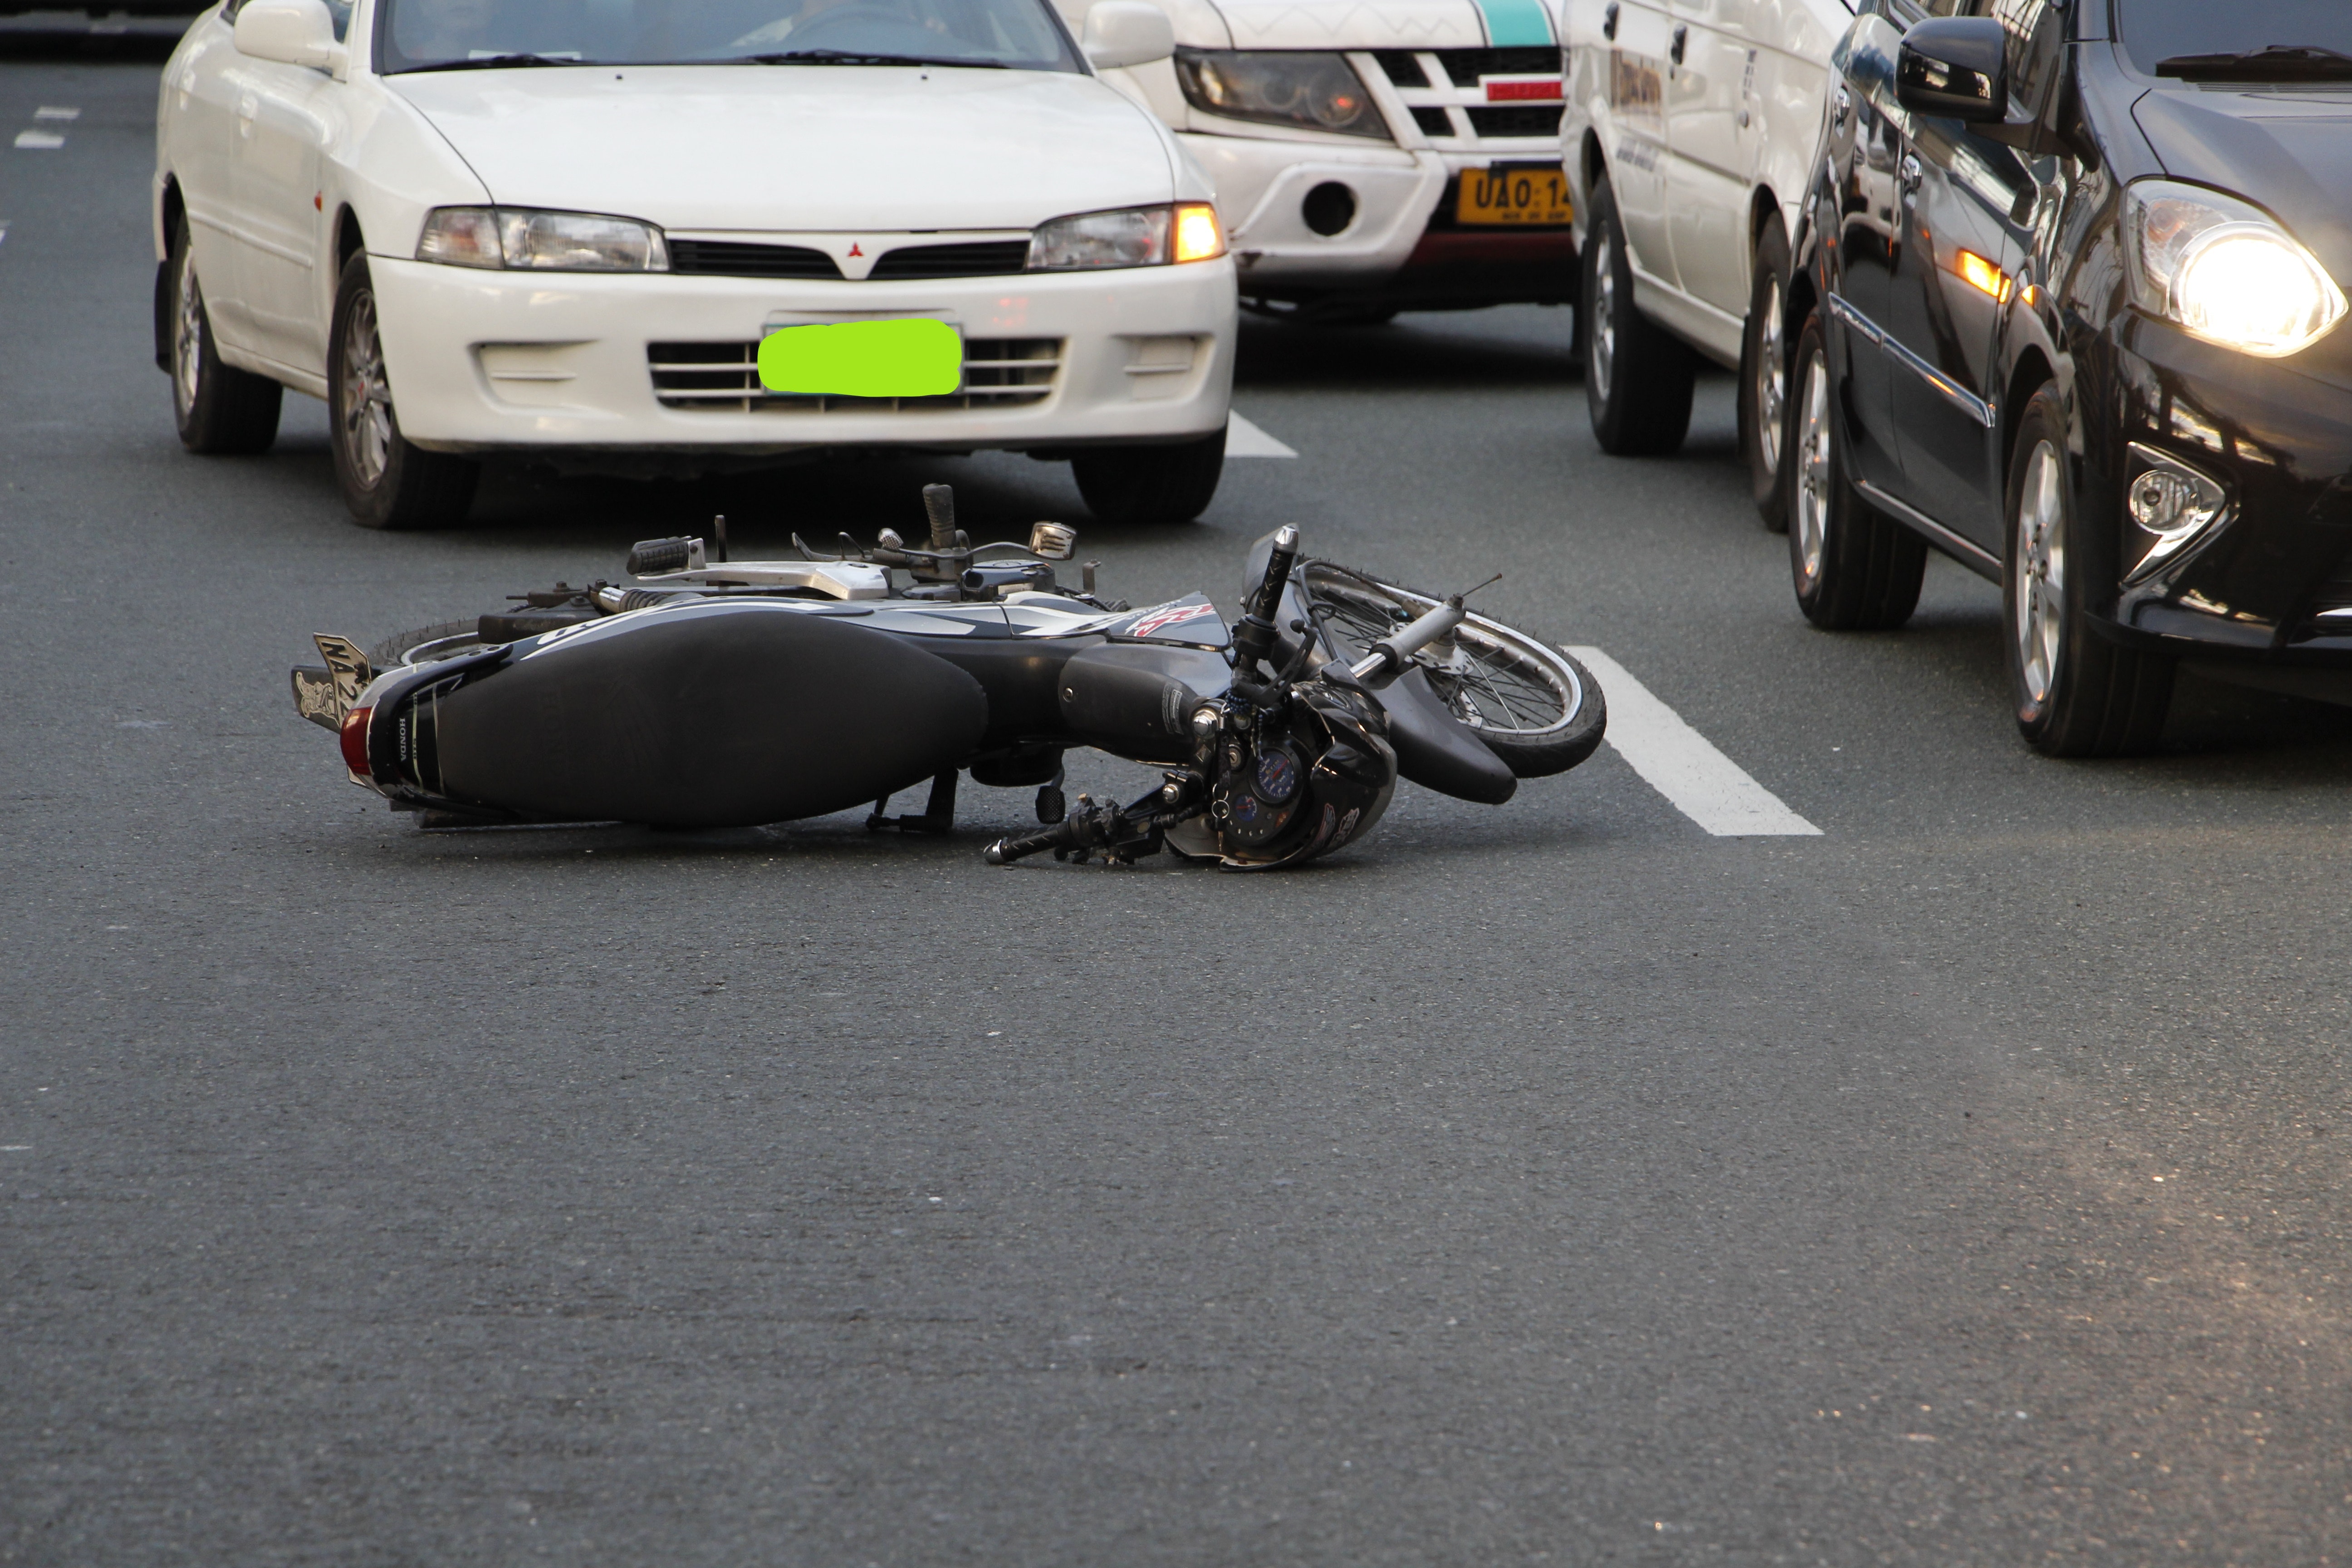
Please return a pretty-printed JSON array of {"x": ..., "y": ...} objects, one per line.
[
  {"x": 1244, "y": 439},
  {"x": 39, "y": 141},
  {"x": 1677, "y": 761}
]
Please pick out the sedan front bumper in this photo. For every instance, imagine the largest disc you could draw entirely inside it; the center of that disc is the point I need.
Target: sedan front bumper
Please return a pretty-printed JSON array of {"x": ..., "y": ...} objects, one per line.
[{"x": 487, "y": 361}]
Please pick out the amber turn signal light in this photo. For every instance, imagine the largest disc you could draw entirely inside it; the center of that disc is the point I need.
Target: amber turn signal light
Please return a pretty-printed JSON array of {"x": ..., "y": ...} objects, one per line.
[{"x": 1198, "y": 236}]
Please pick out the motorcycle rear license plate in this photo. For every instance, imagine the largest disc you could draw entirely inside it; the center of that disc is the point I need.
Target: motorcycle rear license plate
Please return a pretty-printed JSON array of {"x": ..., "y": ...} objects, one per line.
[{"x": 1533, "y": 196}]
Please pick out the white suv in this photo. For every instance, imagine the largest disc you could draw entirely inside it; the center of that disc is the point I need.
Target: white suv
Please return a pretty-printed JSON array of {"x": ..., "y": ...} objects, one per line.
[
  {"x": 1373, "y": 155},
  {"x": 1688, "y": 136}
]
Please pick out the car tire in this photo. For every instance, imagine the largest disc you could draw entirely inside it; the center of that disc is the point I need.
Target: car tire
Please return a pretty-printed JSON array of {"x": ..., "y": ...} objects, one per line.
[
  {"x": 1764, "y": 378},
  {"x": 1637, "y": 378},
  {"x": 221, "y": 411},
  {"x": 1150, "y": 485},
  {"x": 386, "y": 480},
  {"x": 2078, "y": 694},
  {"x": 1854, "y": 569}
]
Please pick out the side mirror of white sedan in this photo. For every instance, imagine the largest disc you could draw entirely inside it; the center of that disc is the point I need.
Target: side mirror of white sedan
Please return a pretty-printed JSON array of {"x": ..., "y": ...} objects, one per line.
[
  {"x": 1118, "y": 33},
  {"x": 291, "y": 32}
]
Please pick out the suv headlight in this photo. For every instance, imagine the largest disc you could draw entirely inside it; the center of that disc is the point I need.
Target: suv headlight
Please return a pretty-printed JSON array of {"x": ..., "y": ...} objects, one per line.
[
  {"x": 2225, "y": 271},
  {"x": 541, "y": 241},
  {"x": 1128, "y": 236},
  {"x": 1314, "y": 92}
]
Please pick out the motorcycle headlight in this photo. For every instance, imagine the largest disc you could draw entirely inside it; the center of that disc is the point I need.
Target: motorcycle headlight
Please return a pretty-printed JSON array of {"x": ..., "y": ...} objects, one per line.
[
  {"x": 1314, "y": 92},
  {"x": 541, "y": 241},
  {"x": 2226, "y": 272},
  {"x": 1128, "y": 236}
]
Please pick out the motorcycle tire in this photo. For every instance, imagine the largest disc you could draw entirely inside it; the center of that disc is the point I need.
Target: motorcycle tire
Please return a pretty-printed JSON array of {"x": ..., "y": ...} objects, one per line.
[{"x": 1537, "y": 710}]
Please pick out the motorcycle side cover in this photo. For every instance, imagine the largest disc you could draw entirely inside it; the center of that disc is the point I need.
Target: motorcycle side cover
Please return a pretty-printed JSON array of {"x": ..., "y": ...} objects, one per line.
[{"x": 710, "y": 715}]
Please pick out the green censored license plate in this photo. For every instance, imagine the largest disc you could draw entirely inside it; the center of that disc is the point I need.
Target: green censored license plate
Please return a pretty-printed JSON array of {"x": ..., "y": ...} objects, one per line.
[{"x": 910, "y": 358}]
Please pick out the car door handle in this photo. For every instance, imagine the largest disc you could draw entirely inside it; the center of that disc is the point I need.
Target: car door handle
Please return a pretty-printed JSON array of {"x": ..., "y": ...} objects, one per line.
[
  {"x": 1609, "y": 22},
  {"x": 1682, "y": 38}
]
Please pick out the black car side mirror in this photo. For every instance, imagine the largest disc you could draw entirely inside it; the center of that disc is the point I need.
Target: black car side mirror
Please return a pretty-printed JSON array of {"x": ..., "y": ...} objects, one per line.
[{"x": 1955, "y": 66}]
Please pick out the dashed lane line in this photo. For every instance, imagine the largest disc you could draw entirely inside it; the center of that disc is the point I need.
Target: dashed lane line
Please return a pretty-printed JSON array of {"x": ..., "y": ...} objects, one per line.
[
  {"x": 39, "y": 141},
  {"x": 50, "y": 112},
  {"x": 1678, "y": 762},
  {"x": 1244, "y": 439}
]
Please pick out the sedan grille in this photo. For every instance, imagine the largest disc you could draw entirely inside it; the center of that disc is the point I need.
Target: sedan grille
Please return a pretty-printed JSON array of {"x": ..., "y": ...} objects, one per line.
[
  {"x": 724, "y": 378},
  {"x": 732, "y": 259},
  {"x": 972, "y": 259}
]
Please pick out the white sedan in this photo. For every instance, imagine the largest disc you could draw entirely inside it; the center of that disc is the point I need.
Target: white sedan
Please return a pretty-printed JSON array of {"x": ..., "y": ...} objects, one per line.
[{"x": 564, "y": 229}]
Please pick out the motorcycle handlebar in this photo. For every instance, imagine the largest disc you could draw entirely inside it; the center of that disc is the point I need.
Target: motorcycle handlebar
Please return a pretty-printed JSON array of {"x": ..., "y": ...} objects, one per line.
[
  {"x": 1387, "y": 660},
  {"x": 1278, "y": 562}
]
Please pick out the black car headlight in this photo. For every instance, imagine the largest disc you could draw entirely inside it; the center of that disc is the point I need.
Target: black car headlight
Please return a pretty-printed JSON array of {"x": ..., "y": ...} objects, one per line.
[
  {"x": 1311, "y": 91},
  {"x": 2225, "y": 271}
]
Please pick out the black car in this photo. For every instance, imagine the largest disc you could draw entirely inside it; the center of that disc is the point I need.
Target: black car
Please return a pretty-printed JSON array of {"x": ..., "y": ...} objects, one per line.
[{"x": 2073, "y": 279}]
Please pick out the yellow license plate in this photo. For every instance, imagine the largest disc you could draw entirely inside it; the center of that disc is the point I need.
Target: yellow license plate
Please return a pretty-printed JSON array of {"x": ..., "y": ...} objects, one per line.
[{"x": 1531, "y": 196}]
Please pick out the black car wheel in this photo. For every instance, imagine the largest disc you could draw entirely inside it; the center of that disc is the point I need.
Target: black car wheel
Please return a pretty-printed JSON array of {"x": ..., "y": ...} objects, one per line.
[
  {"x": 2078, "y": 694},
  {"x": 386, "y": 480},
  {"x": 1764, "y": 377},
  {"x": 221, "y": 411},
  {"x": 1637, "y": 378},
  {"x": 1150, "y": 484},
  {"x": 1854, "y": 569}
]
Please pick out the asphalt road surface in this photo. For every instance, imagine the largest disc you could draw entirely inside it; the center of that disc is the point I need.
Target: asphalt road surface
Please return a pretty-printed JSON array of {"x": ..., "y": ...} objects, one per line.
[{"x": 1552, "y": 1183}]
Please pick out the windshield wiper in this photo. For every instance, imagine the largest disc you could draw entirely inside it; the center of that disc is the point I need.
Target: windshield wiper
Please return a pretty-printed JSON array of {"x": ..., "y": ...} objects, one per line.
[
  {"x": 2275, "y": 62},
  {"x": 490, "y": 62},
  {"x": 860, "y": 58}
]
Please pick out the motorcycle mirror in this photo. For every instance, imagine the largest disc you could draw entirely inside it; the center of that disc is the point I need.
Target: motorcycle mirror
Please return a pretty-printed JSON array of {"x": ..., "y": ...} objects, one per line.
[{"x": 1053, "y": 542}]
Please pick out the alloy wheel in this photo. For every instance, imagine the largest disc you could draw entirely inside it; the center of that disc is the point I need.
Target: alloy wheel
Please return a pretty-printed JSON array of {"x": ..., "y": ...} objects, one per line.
[
  {"x": 367, "y": 395},
  {"x": 1771, "y": 381},
  {"x": 1810, "y": 516},
  {"x": 1601, "y": 333},
  {"x": 2041, "y": 571},
  {"x": 187, "y": 332}
]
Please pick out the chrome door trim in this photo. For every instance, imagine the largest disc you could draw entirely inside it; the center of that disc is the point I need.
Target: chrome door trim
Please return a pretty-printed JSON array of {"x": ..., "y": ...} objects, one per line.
[
  {"x": 1967, "y": 553},
  {"x": 1958, "y": 397}
]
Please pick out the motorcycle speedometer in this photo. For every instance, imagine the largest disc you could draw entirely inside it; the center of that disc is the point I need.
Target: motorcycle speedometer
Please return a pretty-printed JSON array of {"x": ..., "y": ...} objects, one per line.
[{"x": 1278, "y": 776}]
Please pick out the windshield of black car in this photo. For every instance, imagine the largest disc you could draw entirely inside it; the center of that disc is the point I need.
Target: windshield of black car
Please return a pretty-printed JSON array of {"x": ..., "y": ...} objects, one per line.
[
  {"x": 441, "y": 34},
  {"x": 2156, "y": 31}
]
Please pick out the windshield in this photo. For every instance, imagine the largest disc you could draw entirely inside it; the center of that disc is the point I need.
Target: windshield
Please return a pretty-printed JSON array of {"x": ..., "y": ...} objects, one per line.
[
  {"x": 458, "y": 35},
  {"x": 2156, "y": 31}
]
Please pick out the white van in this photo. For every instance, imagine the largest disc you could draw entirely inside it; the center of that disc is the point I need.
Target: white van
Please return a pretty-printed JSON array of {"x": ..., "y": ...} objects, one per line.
[{"x": 1687, "y": 138}]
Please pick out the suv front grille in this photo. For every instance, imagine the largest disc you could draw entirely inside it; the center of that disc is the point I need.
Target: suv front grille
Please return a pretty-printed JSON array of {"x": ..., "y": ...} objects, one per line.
[
  {"x": 724, "y": 378},
  {"x": 1442, "y": 89}
]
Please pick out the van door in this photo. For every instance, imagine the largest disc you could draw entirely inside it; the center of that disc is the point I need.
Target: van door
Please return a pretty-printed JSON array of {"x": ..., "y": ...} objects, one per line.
[
  {"x": 1638, "y": 34},
  {"x": 1711, "y": 139}
]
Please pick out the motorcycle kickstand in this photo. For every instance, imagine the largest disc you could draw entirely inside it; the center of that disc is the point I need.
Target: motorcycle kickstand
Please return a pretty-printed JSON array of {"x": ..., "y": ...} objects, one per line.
[{"x": 939, "y": 816}]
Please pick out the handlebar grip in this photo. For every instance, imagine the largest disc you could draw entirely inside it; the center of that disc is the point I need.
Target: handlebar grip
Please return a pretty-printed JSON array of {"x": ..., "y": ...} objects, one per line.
[
  {"x": 1278, "y": 562},
  {"x": 939, "y": 505},
  {"x": 1005, "y": 851}
]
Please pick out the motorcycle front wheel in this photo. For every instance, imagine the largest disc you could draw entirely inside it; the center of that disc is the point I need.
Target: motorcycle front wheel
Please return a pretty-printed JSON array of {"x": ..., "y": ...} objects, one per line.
[{"x": 1537, "y": 710}]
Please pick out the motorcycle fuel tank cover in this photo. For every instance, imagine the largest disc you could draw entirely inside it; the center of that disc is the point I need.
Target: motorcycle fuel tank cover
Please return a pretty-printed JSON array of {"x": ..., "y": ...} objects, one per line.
[{"x": 709, "y": 715}]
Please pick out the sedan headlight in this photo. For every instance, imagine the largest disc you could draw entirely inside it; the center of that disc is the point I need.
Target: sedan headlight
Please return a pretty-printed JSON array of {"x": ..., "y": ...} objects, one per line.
[
  {"x": 2225, "y": 271},
  {"x": 1128, "y": 236},
  {"x": 541, "y": 241},
  {"x": 1313, "y": 91}
]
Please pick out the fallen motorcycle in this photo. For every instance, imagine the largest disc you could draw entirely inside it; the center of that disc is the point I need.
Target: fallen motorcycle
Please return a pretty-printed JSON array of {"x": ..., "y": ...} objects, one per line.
[{"x": 711, "y": 693}]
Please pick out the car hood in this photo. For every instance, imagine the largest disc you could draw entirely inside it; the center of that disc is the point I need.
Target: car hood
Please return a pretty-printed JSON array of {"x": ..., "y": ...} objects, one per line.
[
  {"x": 2285, "y": 149},
  {"x": 799, "y": 147}
]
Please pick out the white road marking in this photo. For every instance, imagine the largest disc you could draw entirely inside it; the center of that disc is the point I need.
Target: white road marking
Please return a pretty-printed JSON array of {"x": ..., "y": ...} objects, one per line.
[
  {"x": 1244, "y": 439},
  {"x": 1677, "y": 761},
  {"x": 49, "y": 112},
  {"x": 3, "y": 228},
  {"x": 39, "y": 141}
]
